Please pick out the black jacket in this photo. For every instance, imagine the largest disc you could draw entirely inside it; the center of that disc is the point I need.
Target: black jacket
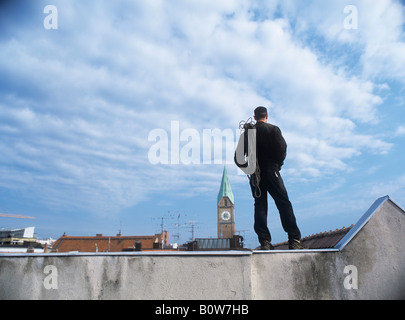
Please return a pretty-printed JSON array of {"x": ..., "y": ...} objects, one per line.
[{"x": 271, "y": 148}]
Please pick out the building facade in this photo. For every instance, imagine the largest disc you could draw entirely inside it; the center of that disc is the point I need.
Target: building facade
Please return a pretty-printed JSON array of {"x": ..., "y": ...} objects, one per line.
[{"x": 117, "y": 243}]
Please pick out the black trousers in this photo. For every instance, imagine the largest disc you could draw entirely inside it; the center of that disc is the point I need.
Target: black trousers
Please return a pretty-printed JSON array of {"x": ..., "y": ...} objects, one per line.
[{"x": 272, "y": 183}]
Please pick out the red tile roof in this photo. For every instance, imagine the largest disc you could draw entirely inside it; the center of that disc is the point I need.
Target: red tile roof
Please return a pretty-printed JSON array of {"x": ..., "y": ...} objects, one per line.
[
  {"x": 323, "y": 240},
  {"x": 102, "y": 243}
]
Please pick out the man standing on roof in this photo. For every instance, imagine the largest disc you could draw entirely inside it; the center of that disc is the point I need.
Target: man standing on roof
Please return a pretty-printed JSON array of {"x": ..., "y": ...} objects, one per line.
[{"x": 271, "y": 151}]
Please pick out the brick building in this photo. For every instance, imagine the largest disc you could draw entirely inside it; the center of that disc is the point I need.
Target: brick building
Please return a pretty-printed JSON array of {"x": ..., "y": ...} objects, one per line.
[{"x": 117, "y": 243}]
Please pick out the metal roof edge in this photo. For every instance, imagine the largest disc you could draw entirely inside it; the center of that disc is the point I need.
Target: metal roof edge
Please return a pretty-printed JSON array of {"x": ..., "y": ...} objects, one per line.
[
  {"x": 258, "y": 251},
  {"x": 360, "y": 224},
  {"x": 127, "y": 254}
]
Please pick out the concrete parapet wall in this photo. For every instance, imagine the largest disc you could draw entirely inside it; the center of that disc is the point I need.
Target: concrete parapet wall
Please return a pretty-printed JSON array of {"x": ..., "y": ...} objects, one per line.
[
  {"x": 133, "y": 276},
  {"x": 275, "y": 275},
  {"x": 368, "y": 264}
]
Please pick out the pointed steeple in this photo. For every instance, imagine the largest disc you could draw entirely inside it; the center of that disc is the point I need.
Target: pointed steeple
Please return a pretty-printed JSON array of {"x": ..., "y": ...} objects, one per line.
[{"x": 225, "y": 190}]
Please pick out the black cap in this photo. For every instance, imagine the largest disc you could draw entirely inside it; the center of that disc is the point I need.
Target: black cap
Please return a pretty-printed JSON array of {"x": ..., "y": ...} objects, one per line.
[{"x": 260, "y": 112}]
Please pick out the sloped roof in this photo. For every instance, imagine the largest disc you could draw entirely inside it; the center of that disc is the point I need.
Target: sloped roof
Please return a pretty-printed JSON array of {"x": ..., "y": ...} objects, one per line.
[
  {"x": 322, "y": 240},
  {"x": 225, "y": 189},
  {"x": 338, "y": 239},
  {"x": 363, "y": 220}
]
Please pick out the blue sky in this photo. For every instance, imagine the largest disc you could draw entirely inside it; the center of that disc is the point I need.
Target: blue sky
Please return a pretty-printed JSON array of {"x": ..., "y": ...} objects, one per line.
[{"x": 78, "y": 105}]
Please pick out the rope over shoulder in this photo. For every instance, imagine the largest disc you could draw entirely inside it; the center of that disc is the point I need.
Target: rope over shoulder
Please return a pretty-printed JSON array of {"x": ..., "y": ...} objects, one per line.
[{"x": 244, "y": 140}]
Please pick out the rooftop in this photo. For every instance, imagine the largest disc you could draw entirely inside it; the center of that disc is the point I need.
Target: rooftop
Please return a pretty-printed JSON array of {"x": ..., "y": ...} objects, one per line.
[
  {"x": 322, "y": 240},
  {"x": 101, "y": 243}
]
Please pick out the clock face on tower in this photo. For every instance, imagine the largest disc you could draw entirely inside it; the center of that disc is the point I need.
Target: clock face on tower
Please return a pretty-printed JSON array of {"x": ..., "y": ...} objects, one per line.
[{"x": 226, "y": 216}]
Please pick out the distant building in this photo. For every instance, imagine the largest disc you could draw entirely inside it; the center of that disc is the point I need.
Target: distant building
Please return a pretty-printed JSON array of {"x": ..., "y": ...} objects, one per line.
[
  {"x": 26, "y": 233},
  {"x": 227, "y": 240},
  {"x": 212, "y": 244},
  {"x": 226, "y": 209},
  {"x": 19, "y": 240},
  {"x": 117, "y": 243}
]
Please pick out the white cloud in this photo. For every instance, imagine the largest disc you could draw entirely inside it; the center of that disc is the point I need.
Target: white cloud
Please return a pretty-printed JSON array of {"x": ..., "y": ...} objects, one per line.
[
  {"x": 379, "y": 38},
  {"x": 400, "y": 131},
  {"x": 89, "y": 94}
]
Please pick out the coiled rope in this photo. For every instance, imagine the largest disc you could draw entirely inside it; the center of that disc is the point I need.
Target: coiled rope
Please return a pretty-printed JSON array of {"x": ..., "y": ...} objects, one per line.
[{"x": 254, "y": 179}]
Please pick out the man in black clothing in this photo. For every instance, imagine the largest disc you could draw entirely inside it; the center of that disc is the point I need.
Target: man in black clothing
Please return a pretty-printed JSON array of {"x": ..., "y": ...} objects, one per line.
[{"x": 271, "y": 151}]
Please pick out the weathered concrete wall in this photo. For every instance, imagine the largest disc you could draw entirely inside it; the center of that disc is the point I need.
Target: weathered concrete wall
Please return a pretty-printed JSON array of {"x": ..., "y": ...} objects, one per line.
[
  {"x": 377, "y": 252},
  {"x": 299, "y": 276},
  {"x": 278, "y": 275},
  {"x": 375, "y": 257},
  {"x": 126, "y": 277}
]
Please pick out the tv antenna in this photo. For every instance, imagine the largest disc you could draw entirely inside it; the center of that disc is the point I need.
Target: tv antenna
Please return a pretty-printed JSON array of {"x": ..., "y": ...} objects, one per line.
[
  {"x": 192, "y": 225},
  {"x": 177, "y": 215}
]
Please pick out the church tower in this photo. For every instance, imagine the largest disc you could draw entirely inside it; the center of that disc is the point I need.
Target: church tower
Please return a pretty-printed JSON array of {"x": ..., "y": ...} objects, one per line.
[{"x": 226, "y": 209}]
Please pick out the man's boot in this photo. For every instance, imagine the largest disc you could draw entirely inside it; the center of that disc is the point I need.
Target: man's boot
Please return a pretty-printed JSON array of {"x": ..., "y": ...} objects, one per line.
[
  {"x": 295, "y": 244},
  {"x": 266, "y": 245}
]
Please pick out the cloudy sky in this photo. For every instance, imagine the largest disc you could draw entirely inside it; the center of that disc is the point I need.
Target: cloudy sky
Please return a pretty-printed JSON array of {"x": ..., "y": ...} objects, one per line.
[{"x": 87, "y": 96}]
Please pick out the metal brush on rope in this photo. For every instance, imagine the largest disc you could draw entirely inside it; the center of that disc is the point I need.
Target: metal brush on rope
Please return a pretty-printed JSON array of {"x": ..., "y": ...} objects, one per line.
[{"x": 245, "y": 154}]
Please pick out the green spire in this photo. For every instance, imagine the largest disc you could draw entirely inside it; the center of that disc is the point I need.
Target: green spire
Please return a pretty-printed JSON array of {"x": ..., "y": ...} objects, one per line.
[{"x": 225, "y": 190}]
